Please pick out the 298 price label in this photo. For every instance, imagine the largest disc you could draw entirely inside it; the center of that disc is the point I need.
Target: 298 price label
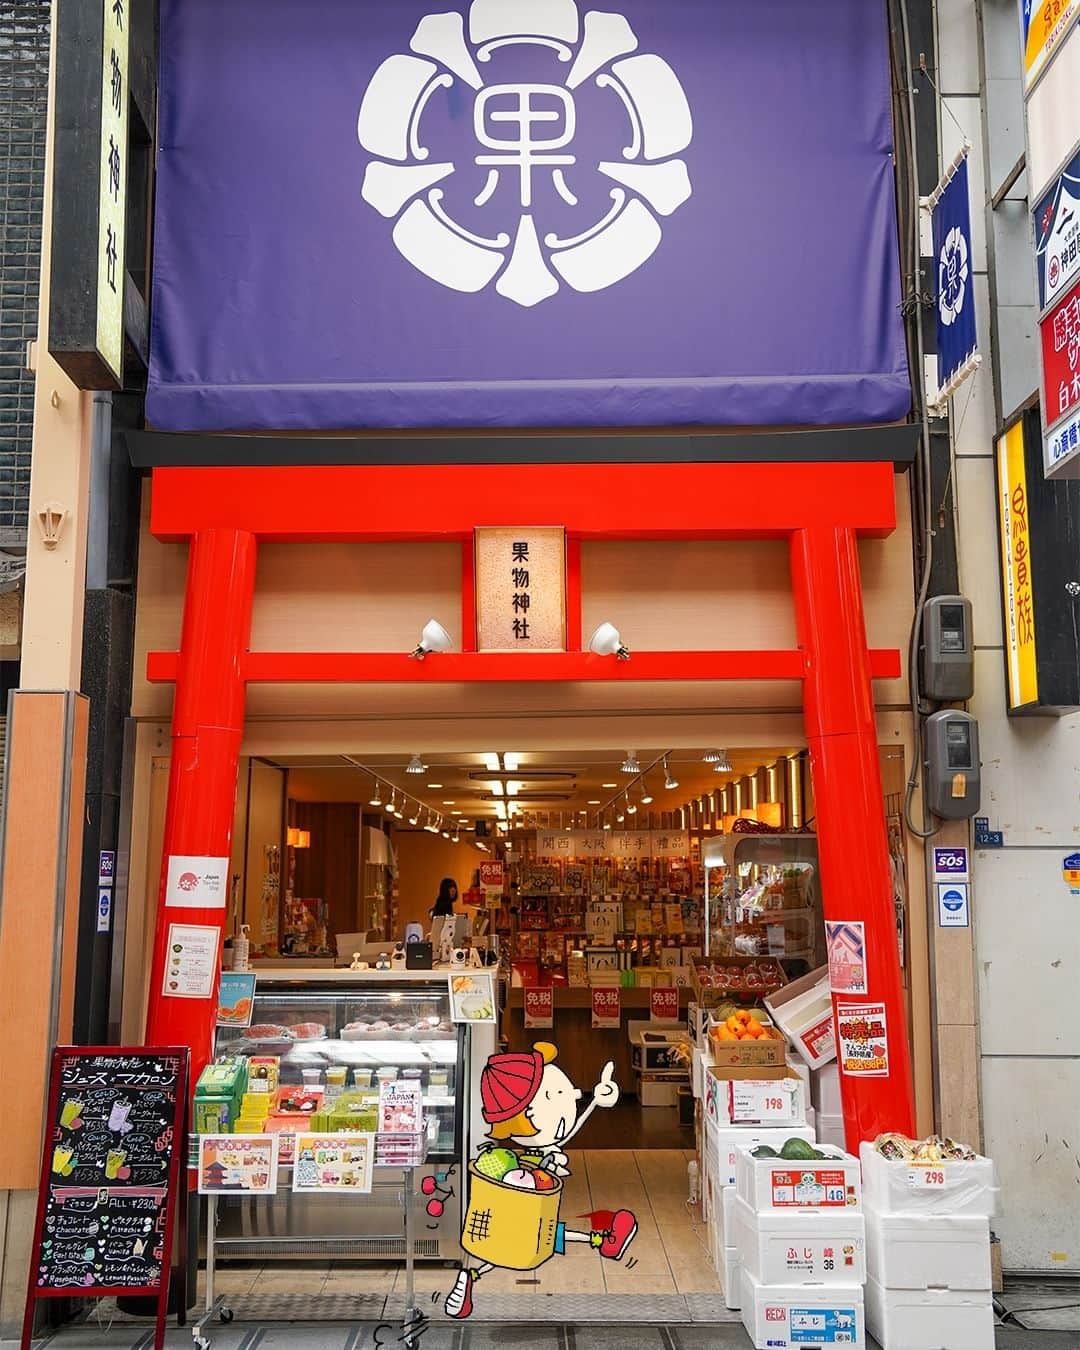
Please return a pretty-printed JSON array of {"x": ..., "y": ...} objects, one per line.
[{"x": 921, "y": 1177}]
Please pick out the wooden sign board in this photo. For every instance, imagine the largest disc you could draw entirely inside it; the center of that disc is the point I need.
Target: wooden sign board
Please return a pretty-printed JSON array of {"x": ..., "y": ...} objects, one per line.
[{"x": 110, "y": 1172}]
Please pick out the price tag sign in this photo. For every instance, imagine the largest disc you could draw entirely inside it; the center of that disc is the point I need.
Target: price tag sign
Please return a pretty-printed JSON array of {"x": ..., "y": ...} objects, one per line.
[
  {"x": 606, "y": 1009},
  {"x": 539, "y": 1005},
  {"x": 664, "y": 1005},
  {"x": 755, "y": 1103},
  {"x": 919, "y": 1178}
]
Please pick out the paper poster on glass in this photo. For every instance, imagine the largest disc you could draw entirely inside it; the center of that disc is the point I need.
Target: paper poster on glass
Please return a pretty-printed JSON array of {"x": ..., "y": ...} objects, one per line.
[
  {"x": 238, "y": 1164},
  {"x": 472, "y": 997},
  {"x": 339, "y": 1163},
  {"x": 236, "y": 998}
]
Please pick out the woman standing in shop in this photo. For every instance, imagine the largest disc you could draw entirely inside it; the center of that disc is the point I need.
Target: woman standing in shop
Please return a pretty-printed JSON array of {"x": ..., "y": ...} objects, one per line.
[{"x": 448, "y": 894}]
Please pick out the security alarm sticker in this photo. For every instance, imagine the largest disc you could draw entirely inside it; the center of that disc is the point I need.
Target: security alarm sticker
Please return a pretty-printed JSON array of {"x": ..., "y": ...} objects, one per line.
[
  {"x": 1070, "y": 870},
  {"x": 952, "y": 900},
  {"x": 196, "y": 883},
  {"x": 864, "y": 1041}
]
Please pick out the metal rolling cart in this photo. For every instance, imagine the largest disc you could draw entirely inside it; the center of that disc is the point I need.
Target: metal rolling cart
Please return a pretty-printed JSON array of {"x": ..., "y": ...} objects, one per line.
[{"x": 415, "y": 1146}]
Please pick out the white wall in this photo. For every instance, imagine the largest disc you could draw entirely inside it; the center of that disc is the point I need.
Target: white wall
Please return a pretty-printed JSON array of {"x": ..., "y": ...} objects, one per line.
[{"x": 1025, "y": 922}]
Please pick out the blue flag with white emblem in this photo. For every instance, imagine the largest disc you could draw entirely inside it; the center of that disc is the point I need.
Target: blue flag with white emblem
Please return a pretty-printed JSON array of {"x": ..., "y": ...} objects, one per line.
[{"x": 956, "y": 336}]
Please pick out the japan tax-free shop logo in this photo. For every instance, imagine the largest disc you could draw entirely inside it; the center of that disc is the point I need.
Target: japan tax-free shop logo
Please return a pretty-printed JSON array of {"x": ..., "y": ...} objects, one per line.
[{"x": 529, "y": 147}]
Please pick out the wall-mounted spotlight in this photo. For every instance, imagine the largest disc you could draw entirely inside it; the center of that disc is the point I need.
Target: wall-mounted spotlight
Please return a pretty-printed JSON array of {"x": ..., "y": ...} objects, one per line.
[
  {"x": 434, "y": 638},
  {"x": 607, "y": 641}
]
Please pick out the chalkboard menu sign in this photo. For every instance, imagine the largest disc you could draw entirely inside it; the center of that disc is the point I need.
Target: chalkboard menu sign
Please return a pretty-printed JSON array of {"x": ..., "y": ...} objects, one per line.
[{"x": 114, "y": 1137}]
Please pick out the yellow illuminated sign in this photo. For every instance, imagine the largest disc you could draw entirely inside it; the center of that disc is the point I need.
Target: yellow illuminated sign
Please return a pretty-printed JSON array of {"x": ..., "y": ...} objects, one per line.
[
  {"x": 112, "y": 193},
  {"x": 1016, "y": 568}
]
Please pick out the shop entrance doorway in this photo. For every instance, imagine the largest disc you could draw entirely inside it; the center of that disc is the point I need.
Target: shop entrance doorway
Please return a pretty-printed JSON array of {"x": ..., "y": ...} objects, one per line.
[{"x": 821, "y": 509}]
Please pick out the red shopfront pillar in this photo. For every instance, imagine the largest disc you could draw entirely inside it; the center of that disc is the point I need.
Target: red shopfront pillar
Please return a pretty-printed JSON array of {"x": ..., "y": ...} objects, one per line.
[
  {"x": 856, "y": 878},
  {"x": 208, "y": 725}
]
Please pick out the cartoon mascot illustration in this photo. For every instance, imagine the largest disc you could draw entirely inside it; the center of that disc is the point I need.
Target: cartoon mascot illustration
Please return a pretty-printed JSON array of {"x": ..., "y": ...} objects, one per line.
[{"x": 515, "y": 1182}]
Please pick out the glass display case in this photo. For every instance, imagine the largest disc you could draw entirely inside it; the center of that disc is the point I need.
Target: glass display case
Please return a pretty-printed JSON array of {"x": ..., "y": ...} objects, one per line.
[
  {"x": 335, "y": 1035},
  {"x": 768, "y": 901}
]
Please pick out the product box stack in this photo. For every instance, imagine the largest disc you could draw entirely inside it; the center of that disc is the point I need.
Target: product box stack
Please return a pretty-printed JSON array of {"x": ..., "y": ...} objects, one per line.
[
  {"x": 752, "y": 1096},
  {"x": 801, "y": 1244},
  {"x": 803, "y": 1012},
  {"x": 928, "y": 1211}
]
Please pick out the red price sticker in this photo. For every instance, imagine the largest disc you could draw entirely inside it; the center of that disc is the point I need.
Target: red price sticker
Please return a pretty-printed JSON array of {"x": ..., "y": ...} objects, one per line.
[
  {"x": 921, "y": 1177},
  {"x": 664, "y": 1005},
  {"x": 753, "y": 1103}
]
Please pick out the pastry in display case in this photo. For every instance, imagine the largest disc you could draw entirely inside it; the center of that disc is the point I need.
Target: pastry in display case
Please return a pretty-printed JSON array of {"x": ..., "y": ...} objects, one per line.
[{"x": 314, "y": 1058}]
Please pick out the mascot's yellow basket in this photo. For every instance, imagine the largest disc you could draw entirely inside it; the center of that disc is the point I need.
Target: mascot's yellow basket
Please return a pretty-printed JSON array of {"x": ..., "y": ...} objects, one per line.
[{"x": 510, "y": 1227}]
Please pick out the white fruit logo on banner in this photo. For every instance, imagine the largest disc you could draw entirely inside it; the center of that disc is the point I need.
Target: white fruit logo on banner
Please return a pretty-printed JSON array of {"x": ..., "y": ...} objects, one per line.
[
  {"x": 952, "y": 276},
  {"x": 535, "y": 150}
]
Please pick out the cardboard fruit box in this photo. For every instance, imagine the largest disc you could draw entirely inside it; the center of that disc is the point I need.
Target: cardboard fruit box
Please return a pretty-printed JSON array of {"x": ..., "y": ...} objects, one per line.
[{"x": 762, "y": 1053}]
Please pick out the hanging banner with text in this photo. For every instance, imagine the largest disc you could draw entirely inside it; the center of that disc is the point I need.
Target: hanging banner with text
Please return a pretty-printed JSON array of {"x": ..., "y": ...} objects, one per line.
[
  {"x": 606, "y": 1008},
  {"x": 524, "y": 214},
  {"x": 664, "y": 1005}
]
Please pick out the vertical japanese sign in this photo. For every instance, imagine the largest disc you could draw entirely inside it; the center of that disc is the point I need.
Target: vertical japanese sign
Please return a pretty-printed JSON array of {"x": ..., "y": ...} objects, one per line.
[
  {"x": 539, "y": 1006},
  {"x": 112, "y": 196},
  {"x": 1060, "y": 340},
  {"x": 1043, "y": 24},
  {"x": 1023, "y": 676},
  {"x": 606, "y": 1008},
  {"x": 1057, "y": 234},
  {"x": 492, "y": 881},
  {"x": 956, "y": 333},
  {"x": 521, "y": 589}
]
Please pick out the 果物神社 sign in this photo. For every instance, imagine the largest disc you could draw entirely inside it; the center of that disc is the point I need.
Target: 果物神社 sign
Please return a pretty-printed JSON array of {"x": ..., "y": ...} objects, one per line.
[{"x": 514, "y": 213}]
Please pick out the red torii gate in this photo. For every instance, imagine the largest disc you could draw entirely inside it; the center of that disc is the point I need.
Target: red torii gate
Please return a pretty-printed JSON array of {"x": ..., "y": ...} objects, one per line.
[{"x": 821, "y": 509}]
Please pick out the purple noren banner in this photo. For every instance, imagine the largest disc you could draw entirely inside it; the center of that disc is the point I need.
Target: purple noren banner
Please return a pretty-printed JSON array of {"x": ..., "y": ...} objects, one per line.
[{"x": 514, "y": 213}]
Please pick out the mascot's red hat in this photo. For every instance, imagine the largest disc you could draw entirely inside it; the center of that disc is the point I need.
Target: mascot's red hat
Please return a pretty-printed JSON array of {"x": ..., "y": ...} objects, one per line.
[{"x": 509, "y": 1083}]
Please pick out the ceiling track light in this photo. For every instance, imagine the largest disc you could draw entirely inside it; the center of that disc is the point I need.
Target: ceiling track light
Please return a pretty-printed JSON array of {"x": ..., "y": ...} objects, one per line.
[
  {"x": 416, "y": 765},
  {"x": 722, "y": 764},
  {"x": 670, "y": 781},
  {"x": 376, "y": 796},
  {"x": 630, "y": 764},
  {"x": 646, "y": 795}
]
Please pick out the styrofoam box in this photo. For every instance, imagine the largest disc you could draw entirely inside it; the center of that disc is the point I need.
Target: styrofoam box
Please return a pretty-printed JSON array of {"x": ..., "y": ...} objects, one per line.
[
  {"x": 825, "y": 1089},
  {"x": 698, "y": 1061},
  {"x": 913, "y": 1251},
  {"x": 929, "y": 1319},
  {"x": 830, "y": 1129},
  {"x": 730, "y": 1274},
  {"x": 802, "y": 1316},
  {"x": 949, "y": 1188},
  {"x": 831, "y": 1183},
  {"x": 757, "y": 1099},
  {"x": 803, "y": 1011},
  {"x": 726, "y": 1140},
  {"x": 803, "y": 1246}
]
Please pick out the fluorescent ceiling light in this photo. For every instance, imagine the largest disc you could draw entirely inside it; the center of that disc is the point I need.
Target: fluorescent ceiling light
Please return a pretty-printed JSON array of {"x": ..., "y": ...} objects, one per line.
[{"x": 491, "y": 761}]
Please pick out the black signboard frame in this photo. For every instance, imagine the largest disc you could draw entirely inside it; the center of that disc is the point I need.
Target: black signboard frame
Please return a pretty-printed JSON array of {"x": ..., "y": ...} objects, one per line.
[{"x": 120, "y": 1073}]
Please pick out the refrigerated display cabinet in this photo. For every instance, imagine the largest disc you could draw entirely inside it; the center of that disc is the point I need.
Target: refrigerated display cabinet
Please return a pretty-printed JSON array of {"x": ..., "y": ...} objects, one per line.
[{"x": 367, "y": 1024}]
